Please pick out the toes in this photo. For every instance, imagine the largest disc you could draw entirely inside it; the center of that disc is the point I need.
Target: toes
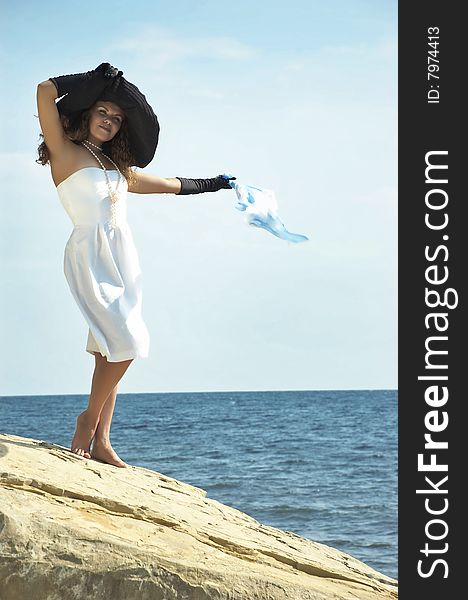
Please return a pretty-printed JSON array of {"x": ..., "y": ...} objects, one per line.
[{"x": 81, "y": 452}]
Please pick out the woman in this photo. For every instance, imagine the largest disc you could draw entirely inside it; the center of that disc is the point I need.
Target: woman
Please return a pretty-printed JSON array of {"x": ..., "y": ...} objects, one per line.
[{"x": 98, "y": 130}]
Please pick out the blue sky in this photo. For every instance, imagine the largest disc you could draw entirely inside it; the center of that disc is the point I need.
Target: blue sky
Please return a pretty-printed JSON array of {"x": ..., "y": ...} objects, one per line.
[{"x": 298, "y": 97}]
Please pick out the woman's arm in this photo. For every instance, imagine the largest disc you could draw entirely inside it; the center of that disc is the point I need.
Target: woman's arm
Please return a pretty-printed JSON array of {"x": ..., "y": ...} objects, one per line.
[
  {"x": 54, "y": 135},
  {"x": 152, "y": 184}
]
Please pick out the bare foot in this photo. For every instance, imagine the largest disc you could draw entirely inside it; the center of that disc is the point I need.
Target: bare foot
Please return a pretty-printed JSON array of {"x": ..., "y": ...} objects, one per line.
[
  {"x": 103, "y": 451},
  {"x": 83, "y": 435}
]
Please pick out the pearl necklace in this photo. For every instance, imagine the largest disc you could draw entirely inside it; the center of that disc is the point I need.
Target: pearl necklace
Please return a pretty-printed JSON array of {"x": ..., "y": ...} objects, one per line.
[{"x": 112, "y": 193}]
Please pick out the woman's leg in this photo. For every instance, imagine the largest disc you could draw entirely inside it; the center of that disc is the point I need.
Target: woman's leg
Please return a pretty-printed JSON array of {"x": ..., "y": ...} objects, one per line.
[
  {"x": 105, "y": 378},
  {"x": 102, "y": 447}
]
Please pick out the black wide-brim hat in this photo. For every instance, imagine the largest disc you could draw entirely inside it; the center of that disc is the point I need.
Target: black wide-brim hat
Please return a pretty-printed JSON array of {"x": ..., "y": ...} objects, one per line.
[{"x": 142, "y": 123}]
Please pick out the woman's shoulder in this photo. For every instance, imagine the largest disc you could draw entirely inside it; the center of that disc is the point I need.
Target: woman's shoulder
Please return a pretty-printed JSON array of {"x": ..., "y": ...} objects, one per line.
[
  {"x": 74, "y": 158},
  {"x": 67, "y": 163}
]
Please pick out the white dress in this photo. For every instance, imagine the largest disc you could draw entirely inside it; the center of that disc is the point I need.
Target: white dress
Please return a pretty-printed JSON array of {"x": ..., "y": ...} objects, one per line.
[{"x": 102, "y": 267}]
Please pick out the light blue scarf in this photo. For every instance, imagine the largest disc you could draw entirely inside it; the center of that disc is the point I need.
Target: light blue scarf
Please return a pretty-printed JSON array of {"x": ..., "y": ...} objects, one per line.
[{"x": 261, "y": 210}]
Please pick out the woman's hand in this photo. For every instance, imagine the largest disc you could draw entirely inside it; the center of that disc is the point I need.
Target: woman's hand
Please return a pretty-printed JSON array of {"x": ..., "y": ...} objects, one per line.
[
  {"x": 225, "y": 181},
  {"x": 80, "y": 90},
  {"x": 109, "y": 71},
  {"x": 199, "y": 186}
]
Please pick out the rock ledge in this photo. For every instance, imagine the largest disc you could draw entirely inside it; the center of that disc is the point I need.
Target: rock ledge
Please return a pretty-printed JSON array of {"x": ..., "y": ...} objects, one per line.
[{"x": 72, "y": 528}]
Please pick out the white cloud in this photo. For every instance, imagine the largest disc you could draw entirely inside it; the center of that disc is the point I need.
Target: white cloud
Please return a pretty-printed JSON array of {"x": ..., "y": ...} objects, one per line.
[{"x": 159, "y": 48}]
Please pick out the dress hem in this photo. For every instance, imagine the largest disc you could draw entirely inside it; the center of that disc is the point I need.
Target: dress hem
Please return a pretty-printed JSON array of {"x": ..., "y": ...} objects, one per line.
[{"x": 119, "y": 357}]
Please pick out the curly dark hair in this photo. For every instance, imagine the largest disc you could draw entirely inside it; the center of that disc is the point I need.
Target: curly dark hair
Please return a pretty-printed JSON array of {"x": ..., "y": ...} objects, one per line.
[{"x": 76, "y": 127}]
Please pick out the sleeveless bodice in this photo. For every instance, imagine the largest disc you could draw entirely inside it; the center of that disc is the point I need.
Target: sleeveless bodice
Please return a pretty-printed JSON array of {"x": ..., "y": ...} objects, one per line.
[{"x": 85, "y": 197}]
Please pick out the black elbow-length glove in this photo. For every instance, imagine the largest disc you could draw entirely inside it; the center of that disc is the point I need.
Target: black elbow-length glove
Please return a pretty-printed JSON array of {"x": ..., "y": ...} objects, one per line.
[
  {"x": 83, "y": 89},
  {"x": 199, "y": 186}
]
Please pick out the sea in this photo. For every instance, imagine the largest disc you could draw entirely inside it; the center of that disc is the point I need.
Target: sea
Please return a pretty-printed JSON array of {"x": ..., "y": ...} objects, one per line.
[{"x": 321, "y": 464}]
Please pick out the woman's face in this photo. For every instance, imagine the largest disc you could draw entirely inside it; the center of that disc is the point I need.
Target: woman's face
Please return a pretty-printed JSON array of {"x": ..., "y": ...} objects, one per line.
[{"x": 105, "y": 121}]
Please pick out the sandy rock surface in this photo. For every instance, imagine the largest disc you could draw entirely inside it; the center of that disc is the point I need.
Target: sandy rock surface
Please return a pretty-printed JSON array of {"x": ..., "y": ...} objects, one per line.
[{"x": 74, "y": 528}]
